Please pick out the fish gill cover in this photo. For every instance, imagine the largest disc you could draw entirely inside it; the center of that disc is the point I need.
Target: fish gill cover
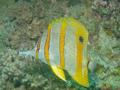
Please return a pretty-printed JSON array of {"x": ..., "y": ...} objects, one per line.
[{"x": 22, "y": 23}]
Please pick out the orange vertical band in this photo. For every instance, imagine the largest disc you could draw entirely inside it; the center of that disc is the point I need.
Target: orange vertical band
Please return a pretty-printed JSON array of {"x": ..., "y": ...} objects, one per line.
[
  {"x": 79, "y": 59},
  {"x": 62, "y": 43},
  {"x": 47, "y": 45}
]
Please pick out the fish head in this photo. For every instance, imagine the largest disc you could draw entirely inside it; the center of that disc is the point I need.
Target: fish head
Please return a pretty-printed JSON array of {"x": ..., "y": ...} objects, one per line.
[{"x": 81, "y": 34}]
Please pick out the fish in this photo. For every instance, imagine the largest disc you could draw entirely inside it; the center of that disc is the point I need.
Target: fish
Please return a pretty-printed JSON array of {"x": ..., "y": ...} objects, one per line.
[{"x": 64, "y": 48}]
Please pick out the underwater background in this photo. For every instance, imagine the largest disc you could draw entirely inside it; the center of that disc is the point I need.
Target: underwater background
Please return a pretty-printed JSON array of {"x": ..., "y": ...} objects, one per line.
[{"x": 22, "y": 23}]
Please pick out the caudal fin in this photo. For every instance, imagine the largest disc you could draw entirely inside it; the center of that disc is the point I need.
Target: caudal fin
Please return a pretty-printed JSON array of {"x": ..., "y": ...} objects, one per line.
[{"x": 27, "y": 53}]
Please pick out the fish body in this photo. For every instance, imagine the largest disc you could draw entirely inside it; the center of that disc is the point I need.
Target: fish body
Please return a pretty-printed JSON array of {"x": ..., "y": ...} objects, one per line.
[{"x": 64, "y": 47}]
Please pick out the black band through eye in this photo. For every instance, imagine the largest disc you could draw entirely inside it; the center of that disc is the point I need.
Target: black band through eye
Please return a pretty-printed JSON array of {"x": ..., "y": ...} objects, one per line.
[{"x": 81, "y": 39}]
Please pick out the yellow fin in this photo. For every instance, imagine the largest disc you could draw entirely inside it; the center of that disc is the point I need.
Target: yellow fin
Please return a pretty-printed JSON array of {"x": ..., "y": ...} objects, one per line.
[{"x": 58, "y": 72}]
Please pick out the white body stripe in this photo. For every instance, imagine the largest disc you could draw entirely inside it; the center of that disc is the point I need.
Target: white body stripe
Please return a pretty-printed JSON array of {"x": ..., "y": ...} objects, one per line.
[
  {"x": 54, "y": 53},
  {"x": 85, "y": 61},
  {"x": 42, "y": 45},
  {"x": 70, "y": 51}
]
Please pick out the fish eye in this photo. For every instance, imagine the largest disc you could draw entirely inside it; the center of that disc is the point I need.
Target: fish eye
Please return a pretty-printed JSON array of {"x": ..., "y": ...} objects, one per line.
[{"x": 81, "y": 39}]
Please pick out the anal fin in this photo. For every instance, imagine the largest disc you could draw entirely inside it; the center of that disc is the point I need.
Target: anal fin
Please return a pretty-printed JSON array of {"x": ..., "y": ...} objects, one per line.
[{"x": 58, "y": 72}]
